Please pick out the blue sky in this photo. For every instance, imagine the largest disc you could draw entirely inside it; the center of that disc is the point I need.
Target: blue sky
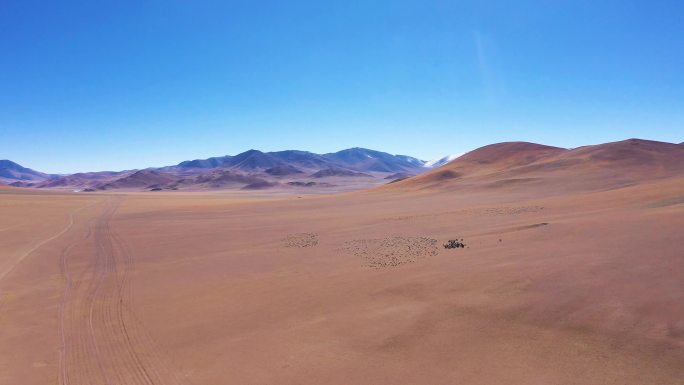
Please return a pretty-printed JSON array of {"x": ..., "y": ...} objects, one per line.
[{"x": 110, "y": 85}]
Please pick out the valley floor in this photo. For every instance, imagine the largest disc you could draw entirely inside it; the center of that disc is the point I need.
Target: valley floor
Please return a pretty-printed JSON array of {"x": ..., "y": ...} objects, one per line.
[{"x": 210, "y": 288}]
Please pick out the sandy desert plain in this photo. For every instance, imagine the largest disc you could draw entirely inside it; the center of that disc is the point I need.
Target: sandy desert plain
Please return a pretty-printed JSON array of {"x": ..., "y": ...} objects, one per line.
[{"x": 573, "y": 273}]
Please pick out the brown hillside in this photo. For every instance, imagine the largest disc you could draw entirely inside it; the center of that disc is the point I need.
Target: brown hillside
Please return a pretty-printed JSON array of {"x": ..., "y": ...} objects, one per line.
[
  {"x": 526, "y": 164},
  {"x": 141, "y": 179}
]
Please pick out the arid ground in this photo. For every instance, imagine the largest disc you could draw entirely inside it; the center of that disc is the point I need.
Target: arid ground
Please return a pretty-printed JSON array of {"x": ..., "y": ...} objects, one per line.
[{"x": 558, "y": 284}]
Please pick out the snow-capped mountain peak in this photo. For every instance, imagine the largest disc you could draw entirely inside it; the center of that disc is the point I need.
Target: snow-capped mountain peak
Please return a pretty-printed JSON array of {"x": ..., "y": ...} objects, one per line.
[{"x": 441, "y": 161}]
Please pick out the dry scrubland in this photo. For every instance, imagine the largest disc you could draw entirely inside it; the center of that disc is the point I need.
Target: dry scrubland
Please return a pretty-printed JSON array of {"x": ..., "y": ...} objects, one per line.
[{"x": 575, "y": 283}]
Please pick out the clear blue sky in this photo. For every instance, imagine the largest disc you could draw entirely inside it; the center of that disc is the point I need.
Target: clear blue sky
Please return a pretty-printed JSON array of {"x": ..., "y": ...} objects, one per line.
[{"x": 110, "y": 85}]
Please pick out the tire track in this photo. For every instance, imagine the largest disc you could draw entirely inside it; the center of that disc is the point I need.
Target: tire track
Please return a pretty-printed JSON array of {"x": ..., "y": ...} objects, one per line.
[
  {"x": 103, "y": 343},
  {"x": 43, "y": 242},
  {"x": 160, "y": 364}
]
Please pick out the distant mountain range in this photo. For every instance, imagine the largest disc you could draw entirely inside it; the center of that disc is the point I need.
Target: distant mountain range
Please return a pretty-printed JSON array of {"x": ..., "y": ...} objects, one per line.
[
  {"x": 12, "y": 172},
  {"x": 509, "y": 165},
  {"x": 251, "y": 169},
  {"x": 358, "y": 159}
]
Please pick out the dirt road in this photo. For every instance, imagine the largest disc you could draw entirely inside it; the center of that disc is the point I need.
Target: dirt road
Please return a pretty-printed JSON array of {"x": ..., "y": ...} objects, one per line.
[{"x": 102, "y": 341}]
